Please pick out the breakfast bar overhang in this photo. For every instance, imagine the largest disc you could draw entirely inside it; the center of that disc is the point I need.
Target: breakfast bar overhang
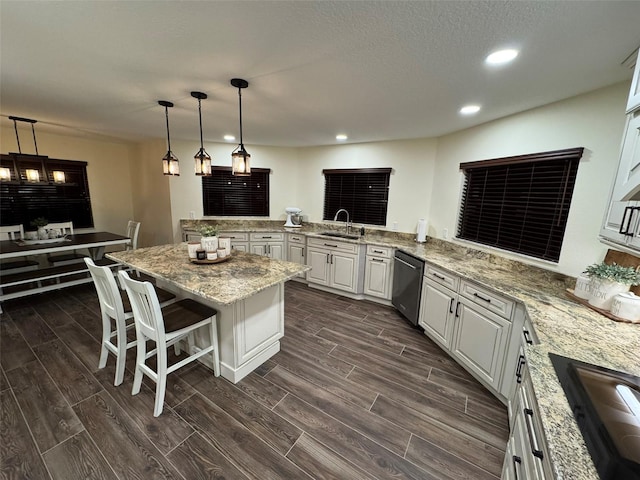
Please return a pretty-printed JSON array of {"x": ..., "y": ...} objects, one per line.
[{"x": 247, "y": 291}]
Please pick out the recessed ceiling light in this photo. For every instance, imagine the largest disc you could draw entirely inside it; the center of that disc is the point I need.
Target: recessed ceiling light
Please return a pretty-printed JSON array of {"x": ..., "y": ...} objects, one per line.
[
  {"x": 470, "y": 109},
  {"x": 229, "y": 138},
  {"x": 500, "y": 57},
  {"x": 341, "y": 137}
]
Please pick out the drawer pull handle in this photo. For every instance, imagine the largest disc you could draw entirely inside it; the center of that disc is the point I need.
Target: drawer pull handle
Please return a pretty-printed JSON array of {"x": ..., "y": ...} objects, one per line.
[
  {"x": 451, "y": 305},
  {"x": 438, "y": 276},
  {"x": 527, "y": 337},
  {"x": 475, "y": 294},
  {"x": 528, "y": 420},
  {"x": 329, "y": 245},
  {"x": 267, "y": 236},
  {"x": 377, "y": 251},
  {"x": 521, "y": 363},
  {"x": 517, "y": 461},
  {"x": 377, "y": 260}
]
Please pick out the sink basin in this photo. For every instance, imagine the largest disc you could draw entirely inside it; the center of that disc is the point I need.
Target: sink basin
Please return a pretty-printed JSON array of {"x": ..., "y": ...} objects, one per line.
[{"x": 340, "y": 235}]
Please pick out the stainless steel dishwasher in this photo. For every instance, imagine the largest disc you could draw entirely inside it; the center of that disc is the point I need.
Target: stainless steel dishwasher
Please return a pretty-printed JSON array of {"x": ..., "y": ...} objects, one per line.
[{"x": 407, "y": 285}]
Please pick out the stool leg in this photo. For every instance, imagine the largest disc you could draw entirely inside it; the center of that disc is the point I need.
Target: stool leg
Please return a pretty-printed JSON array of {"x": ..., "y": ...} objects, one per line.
[
  {"x": 140, "y": 358},
  {"x": 161, "y": 382},
  {"x": 106, "y": 337},
  {"x": 214, "y": 342}
]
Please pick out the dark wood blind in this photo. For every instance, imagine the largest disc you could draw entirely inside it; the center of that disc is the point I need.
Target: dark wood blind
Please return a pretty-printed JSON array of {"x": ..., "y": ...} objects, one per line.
[
  {"x": 363, "y": 192},
  {"x": 22, "y": 201},
  {"x": 520, "y": 204},
  {"x": 224, "y": 194}
]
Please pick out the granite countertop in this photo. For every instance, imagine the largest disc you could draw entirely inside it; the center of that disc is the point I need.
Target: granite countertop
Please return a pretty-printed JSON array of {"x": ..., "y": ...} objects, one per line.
[
  {"x": 242, "y": 276},
  {"x": 562, "y": 326}
]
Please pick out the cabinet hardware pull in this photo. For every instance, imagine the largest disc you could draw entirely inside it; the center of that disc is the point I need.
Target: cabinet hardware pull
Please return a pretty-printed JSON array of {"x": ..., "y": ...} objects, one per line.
[
  {"x": 458, "y": 310},
  {"x": 267, "y": 236},
  {"x": 302, "y": 252},
  {"x": 377, "y": 251},
  {"x": 517, "y": 461},
  {"x": 527, "y": 336},
  {"x": 528, "y": 420},
  {"x": 521, "y": 363},
  {"x": 328, "y": 255},
  {"x": 451, "y": 305},
  {"x": 488, "y": 300},
  {"x": 331, "y": 255},
  {"x": 377, "y": 260},
  {"x": 624, "y": 216},
  {"x": 329, "y": 245},
  {"x": 438, "y": 276},
  {"x": 413, "y": 267}
]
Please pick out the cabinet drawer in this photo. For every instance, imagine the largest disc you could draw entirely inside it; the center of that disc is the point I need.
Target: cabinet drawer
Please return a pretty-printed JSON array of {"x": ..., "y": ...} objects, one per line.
[
  {"x": 332, "y": 245},
  {"x": 443, "y": 278},
  {"x": 296, "y": 238},
  {"x": 378, "y": 251},
  {"x": 268, "y": 236},
  {"x": 236, "y": 236},
  {"x": 487, "y": 299}
]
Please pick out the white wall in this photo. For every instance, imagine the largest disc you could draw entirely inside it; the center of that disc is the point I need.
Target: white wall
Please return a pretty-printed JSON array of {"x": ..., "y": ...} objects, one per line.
[
  {"x": 108, "y": 169},
  {"x": 186, "y": 190},
  {"x": 412, "y": 161},
  {"x": 594, "y": 121}
]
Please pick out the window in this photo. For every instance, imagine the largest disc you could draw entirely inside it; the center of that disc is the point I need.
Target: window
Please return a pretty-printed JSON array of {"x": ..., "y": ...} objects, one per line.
[
  {"x": 520, "y": 204},
  {"x": 363, "y": 192},
  {"x": 229, "y": 195},
  {"x": 21, "y": 200}
]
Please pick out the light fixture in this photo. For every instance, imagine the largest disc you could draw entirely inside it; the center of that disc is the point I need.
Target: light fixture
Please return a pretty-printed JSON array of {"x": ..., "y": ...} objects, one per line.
[
  {"x": 170, "y": 163},
  {"x": 501, "y": 57},
  {"x": 5, "y": 173},
  {"x": 58, "y": 176},
  {"x": 229, "y": 138},
  {"x": 341, "y": 137},
  {"x": 202, "y": 158},
  {"x": 32, "y": 174},
  {"x": 240, "y": 159},
  {"x": 470, "y": 109}
]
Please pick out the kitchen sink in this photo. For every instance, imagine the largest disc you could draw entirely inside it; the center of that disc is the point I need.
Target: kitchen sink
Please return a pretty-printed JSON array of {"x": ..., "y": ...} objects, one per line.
[{"x": 340, "y": 235}]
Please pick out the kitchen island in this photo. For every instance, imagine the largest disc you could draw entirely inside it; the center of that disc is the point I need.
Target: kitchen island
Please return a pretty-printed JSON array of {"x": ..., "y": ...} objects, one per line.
[{"x": 247, "y": 291}]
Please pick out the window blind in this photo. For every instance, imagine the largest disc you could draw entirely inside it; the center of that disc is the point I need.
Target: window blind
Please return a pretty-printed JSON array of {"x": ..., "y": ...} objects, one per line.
[
  {"x": 521, "y": 203},
  {"x": 363, "y": 192},
  {"x": 224, "y": 194}
]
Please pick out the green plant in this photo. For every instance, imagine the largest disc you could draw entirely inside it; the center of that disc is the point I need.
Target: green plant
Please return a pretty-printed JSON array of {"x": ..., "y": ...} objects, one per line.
[
  {"x": 39, "y": 222},
  {"x": 207, "y": 230},
  {"x": 614, "y": 273}
]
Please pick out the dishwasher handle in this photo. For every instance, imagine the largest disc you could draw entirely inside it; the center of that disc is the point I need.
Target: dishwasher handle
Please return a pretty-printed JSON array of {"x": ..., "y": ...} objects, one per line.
[{"x": 406, "y": 263}]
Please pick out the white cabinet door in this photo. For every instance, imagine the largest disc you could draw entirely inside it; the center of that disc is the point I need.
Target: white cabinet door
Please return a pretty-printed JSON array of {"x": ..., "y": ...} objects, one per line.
[
  {"x": 268, "y": 249},
  {"x": 318, "y": 260},
  {"x": 240, "y": 246},
  {"x": 344, "y": 272},
  {"x": 259, "y": 249},
  {"x": 633, "y": 102},
  {"x": 276, "y": 250},
  {"x": 480, "y": 341},
  {"x": 295, "y": 253},
  {"x": 377, "y": 276},
  {"x": 628, "y": 178},
  {"x": 621, "y": 218},
  {"x": 437, "y": 312}
]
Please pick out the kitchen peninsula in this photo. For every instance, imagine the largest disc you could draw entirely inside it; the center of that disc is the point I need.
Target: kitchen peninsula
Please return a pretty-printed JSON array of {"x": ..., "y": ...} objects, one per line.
[{"x": 247, "y": 291}]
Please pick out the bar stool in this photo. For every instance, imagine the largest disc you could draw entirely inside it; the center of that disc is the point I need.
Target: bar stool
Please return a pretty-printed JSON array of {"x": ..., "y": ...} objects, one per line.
[
  {"x": 166, "y": 327},
  {"x": 114, "y": 305}
]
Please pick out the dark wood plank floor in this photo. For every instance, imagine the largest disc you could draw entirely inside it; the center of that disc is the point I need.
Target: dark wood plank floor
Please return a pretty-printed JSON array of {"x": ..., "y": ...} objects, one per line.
[{"x": 355, "y": 393}]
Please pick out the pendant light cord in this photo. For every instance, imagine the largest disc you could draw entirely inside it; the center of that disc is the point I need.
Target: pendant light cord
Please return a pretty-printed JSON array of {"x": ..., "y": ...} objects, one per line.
[
  {"x": 166, "y": 113},
  {"x": 200, "y": 115},
  {"x": 240, "y": 106}
]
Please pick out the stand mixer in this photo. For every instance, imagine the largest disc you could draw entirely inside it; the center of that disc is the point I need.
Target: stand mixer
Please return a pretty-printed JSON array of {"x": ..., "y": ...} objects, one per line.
[{"x": 293, "y": 217}]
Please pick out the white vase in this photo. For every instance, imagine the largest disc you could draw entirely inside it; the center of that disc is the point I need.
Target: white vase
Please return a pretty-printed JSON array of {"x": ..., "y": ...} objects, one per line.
[
  {"x": 603, "y": 291},
  {"x": 583, "y": 287},
  {"x": 210, "y": 244},
  {"x": 42, "y": 233}
]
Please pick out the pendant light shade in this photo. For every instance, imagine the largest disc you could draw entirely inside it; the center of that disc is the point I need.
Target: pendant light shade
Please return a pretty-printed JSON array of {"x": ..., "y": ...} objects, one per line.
[
  {"x": 202, "y": 158},
  {"x": 170, "y": 164},
  {"x": 240, "y": 159}
]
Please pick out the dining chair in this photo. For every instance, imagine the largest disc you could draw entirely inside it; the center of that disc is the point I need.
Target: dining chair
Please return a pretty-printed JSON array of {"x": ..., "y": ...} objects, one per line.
[
  {"x": 15, "y": 232},
  {"x": 115, "y": 306},
  {"x": 167, "y": 327},
  {"x": 66, "y": 228},
  {"x": 133, "y": 228}
]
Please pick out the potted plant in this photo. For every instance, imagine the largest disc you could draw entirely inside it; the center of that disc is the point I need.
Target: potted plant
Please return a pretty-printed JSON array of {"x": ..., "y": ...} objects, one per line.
[
  {"x": 608, "y": 280},
  {"x": 209, "y": 240},
  {"x": 40, "y": 223}
]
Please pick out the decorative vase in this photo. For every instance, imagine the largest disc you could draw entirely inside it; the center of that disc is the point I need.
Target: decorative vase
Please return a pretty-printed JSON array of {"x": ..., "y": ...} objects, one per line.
[
  {"x": 42, "y": 233},
  {"x": 209, "y": 244},
  {"x": 583, "y": 287},
  {"x": 603, "y": 291}
]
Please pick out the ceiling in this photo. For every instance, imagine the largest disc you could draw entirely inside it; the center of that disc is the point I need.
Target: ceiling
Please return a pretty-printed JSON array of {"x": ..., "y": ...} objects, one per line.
[{"x": 374, "y": 70}]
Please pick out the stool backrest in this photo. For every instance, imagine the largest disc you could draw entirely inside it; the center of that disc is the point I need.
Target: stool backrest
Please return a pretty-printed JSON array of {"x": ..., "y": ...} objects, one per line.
[
  {"x": 146, "y": 307},
  {"x": 12, "y": 232},
  {"x": 108, "y": 292}
]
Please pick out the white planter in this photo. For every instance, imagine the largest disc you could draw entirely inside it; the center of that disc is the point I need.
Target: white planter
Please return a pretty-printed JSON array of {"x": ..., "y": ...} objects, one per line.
[
  {"x": 210, "y": 244},
  {"x": 583, "y": 287},
  {"x": 603, "y": 291}
]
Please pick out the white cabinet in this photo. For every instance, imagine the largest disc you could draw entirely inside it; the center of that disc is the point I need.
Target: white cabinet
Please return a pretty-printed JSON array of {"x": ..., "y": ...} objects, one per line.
[
  {"x": 378, "y": 274},
  {"x": 268, "y": 244},
  {"x": 336, "y": 265},
  {"x": 239, "y": 240},
  {"x": 438, "y": 304},
  {"x": 296, "y": 246},
  {"x": 627, "y": 186},
  {"x": 633, "y": 103}
]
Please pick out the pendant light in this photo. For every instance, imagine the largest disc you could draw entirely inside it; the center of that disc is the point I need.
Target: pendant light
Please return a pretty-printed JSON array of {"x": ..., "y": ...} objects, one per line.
[
  {"x": 170, "y": 163},
  {"x": 202, "y": 158},
  {"x": 240, "y": 159}
]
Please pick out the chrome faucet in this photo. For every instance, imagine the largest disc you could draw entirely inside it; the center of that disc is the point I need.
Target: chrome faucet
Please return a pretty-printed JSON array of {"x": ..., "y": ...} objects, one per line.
[{"x": 347, "y": 224}]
